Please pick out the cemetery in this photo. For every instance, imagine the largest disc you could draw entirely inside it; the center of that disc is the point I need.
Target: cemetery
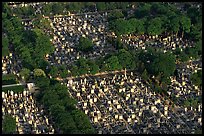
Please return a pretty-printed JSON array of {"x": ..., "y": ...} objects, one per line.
[
  {"x": 30, "y": 117},
  {"x": 115, "y": 103}
]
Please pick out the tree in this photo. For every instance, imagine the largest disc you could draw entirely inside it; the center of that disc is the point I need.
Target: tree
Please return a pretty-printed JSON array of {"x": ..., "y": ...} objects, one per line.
[
  {"x": 5, "y": 41},
  {"x": 83, "y": 67},
  {"x": 42, "y": 23},
  {"x": 64, "y": 73},
  {"x": 85, "y": 44},
  {"x": 27, "y": 11},
  {"x": 115, "y": 15},
  {"x": 159, "y": 8},
  {"x": 157, "y": 62},
  {"x": 47, "y": 9},
  {"x": 50, "y": 98},
  {"x": 121, "y": 26},
  {"x": 25, "y": 54},
  {"x": 159, "y": 65},
  {"x": 177, "y": 51},
  {"x": 25, "y": 73},
  {"x": 144, "y": 75},
  {"x": 61, "y": 91},
  {"x": 94, "y": 68},
  {"x": 185, "y": 24},
  {"x": 191, "y": 52},
  {"x": 198, "y": 47},
  {"x": 54, "y": 71},
  {"x": 43, "y": 45},
  {"x": 140, "y": 26},
  {"x": 183, "y": 57},
  {"x": 75, "y": 6},
  {"x": 42, "y": 82},
  {"x": 67, "y": 123},
  {"x": 55, "y": 110},
  {"x": 193, "y": 13},
  {"x": 155, "y": 26},
  {"x": 196, "y": 78},
  {"x": 186, "y": 103},
  {"x": 82, "y": 122},
  {"x": 29, "y": 37},
  {"x": 74, "y": 70},
  {"x": 5, "y": 44},
  {"x": 57, "y": 8},
  {"x": 125, "y": 59},
  {"x": 143, "y": 10},
  {"x": 39, "y": 72},
  {"x": 113, "y": 63},
  {"x": 195, "y": 32},
  {"x": 8, "y": 125},
  {"x": 101, "y": 6},
  {"x": 110, "y": 5}
]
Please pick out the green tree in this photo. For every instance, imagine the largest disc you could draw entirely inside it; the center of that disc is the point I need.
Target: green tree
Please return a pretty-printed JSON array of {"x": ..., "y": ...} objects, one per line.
[
  {"x": 144, "y": 75},
  {"x": 196, "y": 78},
  {"x": 159, "y": 65},
  {"x": 158, "y": 8},
  {"x": 121, "y": 26},
  {"x": 194, "y": 14},
  {"x": 57, "y": 8},
  {"x": 67, "y": 123},
  {"x": 198, "y": 47},
  {"x": 155, "y": 26},
  {"x": 74, "y": 70},
  {"x": 5, "y": 44},
  {"x": 39, "y": 72},
  {"x": 196, "y": 32},
  {"x": 186, "y": 103},
  {"x": 94, "y": 68},
  {"x": 5, "y": 41},
  {"x": 55, "y": 110},
  {"x": 85, "y": 44},
  {"x": 143, "y": 10},
  {"x": 43, "y": 45},
  {"x": 54, "y": 71},
  {"x": 25, "y": 54},
  {"x": 42, "y": 82},
  {"x": 8, "y": 125},
  {"x": 140, "y": 28},
  {"x": 50, "y": 98},
  {"x": 113, "y": 63},
  {"x": 27, "y": 11},
  {"x": 101, "y": 6},
  {"x": 82, "y": 66},
  {"x": 183, "y": 57},
  {"x": 25, "y": 73},
  {"x": 82, "y": 122},
  {"x": 185, "y": 24},
  {"x": 47, "y": 9},
  {"x": 125, "y": 59},
  {"x": 115, "y": 15}
]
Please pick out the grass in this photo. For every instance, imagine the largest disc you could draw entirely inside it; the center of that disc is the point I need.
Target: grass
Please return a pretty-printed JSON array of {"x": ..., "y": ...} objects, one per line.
[
  {"x": 8, "y": 82},
  {"x": 5, "y": 51},
  {"x": 16, "y": 89},
  {"x": 9, "y": 77}
]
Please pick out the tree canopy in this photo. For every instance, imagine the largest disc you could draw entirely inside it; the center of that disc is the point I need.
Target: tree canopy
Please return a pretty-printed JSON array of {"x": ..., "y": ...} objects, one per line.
[
  {"x": 25, "y": 73},
  {"x": 85, "y": 44},
  {"x": 196, "y": 78},
  {"x": 8, "y": 125}
]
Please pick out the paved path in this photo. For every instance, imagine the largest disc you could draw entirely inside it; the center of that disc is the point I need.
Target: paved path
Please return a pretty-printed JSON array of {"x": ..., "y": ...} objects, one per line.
[
  {"x": 12, "y": 85},
  {"x": 97, "y": 74}
]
